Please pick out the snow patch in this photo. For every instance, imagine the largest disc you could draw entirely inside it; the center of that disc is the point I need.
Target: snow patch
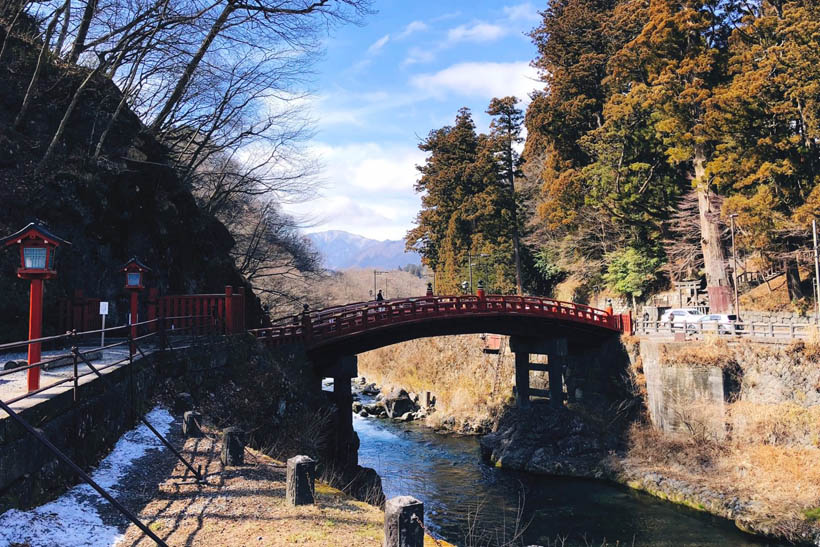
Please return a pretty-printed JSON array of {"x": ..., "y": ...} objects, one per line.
[{"x": 72, "y": 519}]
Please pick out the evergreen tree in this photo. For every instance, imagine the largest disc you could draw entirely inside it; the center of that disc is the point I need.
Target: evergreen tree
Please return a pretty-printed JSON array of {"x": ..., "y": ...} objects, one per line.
[
  {"x": 675, "y": 65},
  {"x": 442, "y": 234},
  {"x": 767, "y": 123},
  {"x": 505, "y": 133}
]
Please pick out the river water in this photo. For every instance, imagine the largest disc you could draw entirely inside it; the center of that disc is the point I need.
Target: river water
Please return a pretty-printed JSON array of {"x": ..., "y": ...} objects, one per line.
[{"x": 461, "y": 493}]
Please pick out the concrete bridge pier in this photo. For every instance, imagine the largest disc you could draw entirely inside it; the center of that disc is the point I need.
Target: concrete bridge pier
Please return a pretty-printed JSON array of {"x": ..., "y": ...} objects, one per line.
[
  {"x": 342, "y": 369},
  {"x": 556, "y": 351}
]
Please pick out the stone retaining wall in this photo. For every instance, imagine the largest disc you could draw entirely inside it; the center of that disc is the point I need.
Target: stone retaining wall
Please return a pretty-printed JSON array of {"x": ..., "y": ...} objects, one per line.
[{"x": 30, "y": 474}]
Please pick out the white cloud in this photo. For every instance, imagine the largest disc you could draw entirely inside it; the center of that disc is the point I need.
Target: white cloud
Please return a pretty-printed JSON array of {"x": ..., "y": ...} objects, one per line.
[
  {"x": 368, "y": 189},
  {"x": 485, "y": 80},
  {"x": 378, "y": 44},
  {"x": 522, "y": 12},
  {"x": 476, "y": 32},
  {"x": 416, "y": 55},
  {"x": 412, "y": 28}
]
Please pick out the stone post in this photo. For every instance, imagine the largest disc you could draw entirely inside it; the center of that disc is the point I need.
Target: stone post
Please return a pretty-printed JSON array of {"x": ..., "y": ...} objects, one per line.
[
  {"x": 190, "y": 424},
  {"x": 300, "y": 480},
  {"x": 403, "y": 522},
  {"x": 233, "y": 446}
]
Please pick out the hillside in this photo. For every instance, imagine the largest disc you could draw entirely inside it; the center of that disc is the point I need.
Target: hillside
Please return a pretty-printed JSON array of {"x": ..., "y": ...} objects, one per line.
[
  {"x": 128, "y": 202},
  {"x": 342, "y": 250}
]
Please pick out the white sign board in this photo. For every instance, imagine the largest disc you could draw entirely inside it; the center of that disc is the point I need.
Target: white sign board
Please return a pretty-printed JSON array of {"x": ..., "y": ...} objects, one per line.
[{"x": 103, "y": 308}]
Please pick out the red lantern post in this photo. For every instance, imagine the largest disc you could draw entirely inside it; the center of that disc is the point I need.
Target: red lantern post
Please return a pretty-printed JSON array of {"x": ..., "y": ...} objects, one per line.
[
  {"x": 134, "y": 272},
  {"x": 37, "y": 249}
]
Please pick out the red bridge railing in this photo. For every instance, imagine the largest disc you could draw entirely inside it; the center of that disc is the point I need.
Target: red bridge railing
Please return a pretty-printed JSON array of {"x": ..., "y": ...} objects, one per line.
[{"x": 327, "y": 324}]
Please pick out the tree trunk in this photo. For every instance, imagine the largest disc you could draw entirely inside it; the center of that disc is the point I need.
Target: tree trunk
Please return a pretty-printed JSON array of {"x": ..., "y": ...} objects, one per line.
[
  {"x": 714, "y": 260},
  {"x": 58, "y": 49},
  {"x": 58, "y": 135},
  {"x": 41, "y": 60},
  {"x": 182, "y": 84},
  {"x": 516, "y": 244},
  {"x": 792, "y": 279},
  {"x": 82, "y": 31},
  {"x": 11, "y": 28}
]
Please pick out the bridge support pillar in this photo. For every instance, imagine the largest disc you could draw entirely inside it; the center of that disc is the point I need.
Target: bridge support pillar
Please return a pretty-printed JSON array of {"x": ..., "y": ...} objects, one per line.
[
  {"x": 556, "y": 351},
  {"x": 342, "y": 370},
  {"x": 555, "y": 372},
  {"x": 522, "y": 379}
]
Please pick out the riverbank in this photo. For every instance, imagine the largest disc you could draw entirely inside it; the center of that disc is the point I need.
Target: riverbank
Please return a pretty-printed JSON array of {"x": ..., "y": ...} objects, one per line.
[
  {"x": 762, "y": 492},
  {"x": 753, "y": 459}
]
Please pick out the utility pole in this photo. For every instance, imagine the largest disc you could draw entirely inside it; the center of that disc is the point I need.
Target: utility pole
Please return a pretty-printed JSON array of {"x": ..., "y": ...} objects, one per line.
[
  {"x": 734, "y": 264},
  {"x": 375, "y": 273},
  {"x": 470, "y": 261},
  {"x": 816, "y": 273}
]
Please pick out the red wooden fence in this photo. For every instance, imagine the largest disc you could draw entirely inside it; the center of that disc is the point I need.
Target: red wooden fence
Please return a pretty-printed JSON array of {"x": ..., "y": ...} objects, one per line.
[
  {"x": 197, "y": 313},
  {"x": 78, "y": 313}
]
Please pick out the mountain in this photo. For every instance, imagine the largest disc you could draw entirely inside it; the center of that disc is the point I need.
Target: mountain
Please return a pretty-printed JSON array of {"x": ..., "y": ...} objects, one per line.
[{"x": 342, "y": 250}]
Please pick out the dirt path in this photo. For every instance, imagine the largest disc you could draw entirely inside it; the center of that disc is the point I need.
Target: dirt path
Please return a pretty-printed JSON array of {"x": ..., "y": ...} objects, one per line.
[{"x": 245, "y": 505}]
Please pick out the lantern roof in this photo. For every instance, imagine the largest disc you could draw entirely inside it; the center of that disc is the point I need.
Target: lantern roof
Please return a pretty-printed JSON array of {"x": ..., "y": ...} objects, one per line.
[
  {"x": 133, "y": 265},
  {"x": 33, "y": 230}
]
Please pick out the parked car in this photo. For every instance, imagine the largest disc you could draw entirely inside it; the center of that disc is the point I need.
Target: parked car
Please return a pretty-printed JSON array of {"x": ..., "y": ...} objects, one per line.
[
  {"x": 722, "y": 323},
  {"x": 679, "y": 318}
]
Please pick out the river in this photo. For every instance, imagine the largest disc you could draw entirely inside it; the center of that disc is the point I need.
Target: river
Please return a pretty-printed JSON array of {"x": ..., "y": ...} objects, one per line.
[{"x": 447, "y": 474}]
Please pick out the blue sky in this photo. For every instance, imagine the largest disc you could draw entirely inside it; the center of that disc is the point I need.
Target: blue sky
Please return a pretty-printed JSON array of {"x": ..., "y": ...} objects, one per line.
[{"x": 383, "y": 86}]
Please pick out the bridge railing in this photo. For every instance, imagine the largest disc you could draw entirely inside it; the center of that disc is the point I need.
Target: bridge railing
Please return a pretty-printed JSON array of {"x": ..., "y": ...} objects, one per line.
[{"x": 351, "y": 318}]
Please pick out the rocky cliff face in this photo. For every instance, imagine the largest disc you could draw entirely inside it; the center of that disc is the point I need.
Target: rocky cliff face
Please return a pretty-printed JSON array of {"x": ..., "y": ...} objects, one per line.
[{"x": 127, "y": 202}]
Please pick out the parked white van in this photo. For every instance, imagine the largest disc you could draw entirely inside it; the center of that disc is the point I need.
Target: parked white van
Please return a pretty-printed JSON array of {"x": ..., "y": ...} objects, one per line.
[{"x": 681, "y": 317}]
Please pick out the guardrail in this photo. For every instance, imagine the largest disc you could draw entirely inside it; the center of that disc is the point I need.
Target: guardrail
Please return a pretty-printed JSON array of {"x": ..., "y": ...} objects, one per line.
[
  {"x": 133, "y": 338},
  {"x": 750, "y": 329},
  {"x": 329, "y": 323}
]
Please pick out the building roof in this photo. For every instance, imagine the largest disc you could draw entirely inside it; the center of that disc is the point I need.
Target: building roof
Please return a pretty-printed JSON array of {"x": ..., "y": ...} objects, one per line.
[
  {"x": 33, "y": 226},
  {"x": 134, "y": 260}
]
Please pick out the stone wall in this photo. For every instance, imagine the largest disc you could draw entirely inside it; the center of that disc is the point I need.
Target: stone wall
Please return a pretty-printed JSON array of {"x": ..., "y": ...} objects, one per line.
[
  {"x": 30, "y": 474},
  {"x": 681, "y": 395}
]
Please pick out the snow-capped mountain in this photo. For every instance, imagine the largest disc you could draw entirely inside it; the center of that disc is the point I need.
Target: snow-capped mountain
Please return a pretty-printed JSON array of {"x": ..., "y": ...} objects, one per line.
[{"x": 342, "y": 250}]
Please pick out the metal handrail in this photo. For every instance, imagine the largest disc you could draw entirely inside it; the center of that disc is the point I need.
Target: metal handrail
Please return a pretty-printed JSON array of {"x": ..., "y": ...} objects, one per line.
[{"x": 747, "y": 328}]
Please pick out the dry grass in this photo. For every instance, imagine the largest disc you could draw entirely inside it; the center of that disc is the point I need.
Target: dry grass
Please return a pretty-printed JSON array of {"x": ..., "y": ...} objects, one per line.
[
  {"x": 784, "y": 424},
  {"x": 712, "y": 352},
  {"x": 469, "y": 385},
  {"x": 774, "y": 295},
  {"x": 767, "y": 461},
  {"x": 245, "y": 505}
]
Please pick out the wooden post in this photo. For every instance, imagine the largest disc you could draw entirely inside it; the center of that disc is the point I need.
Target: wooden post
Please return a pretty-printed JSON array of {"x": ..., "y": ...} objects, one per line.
[
  {"x": 403, "y": 522},
  {"x": 301, "y": 477},
  {"x": 134, "y": 313},
  {"x": 228, "y": 309},
  {"x": 240, "y": 312},
  {"x": 35, "y": 330},
  {"x": 153, "y": 295}
]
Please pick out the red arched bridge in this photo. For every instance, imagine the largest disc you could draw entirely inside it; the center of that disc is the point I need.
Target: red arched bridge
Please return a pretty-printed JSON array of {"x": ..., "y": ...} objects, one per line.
[{"x": 363, "y": 326}]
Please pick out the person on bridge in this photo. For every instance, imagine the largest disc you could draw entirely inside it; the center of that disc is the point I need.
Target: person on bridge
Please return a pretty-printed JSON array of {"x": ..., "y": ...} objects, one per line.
[
  {"x": 608, "y": 308},
  {"x": 379, "y": 296}
]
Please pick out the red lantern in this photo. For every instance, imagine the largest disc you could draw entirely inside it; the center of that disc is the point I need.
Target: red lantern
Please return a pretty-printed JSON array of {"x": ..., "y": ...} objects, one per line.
[
  {"x": 134, "y": 273},
  {"x": 38, "y": 247}
]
